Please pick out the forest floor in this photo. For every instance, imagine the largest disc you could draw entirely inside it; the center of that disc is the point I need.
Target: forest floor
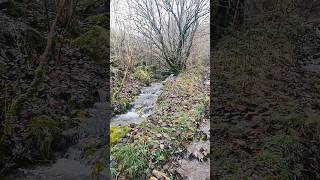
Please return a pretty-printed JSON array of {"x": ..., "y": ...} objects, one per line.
[
  {"x": 49, "y": 118},
  {"x": 160, "y": 147},
  {"x": 266, "y": 102}
]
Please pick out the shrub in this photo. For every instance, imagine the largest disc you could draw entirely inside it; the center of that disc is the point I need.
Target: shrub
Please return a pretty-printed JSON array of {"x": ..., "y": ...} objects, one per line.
[{"x": 142, "y": 76}]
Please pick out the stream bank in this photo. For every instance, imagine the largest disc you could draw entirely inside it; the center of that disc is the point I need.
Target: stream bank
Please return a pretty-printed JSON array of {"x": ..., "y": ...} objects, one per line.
[
  {"x": 157, "y": 144},
  {"x": 265, "y": 104}
]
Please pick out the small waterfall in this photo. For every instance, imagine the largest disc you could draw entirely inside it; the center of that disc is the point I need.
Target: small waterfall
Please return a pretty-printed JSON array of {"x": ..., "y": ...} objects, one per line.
[{"x": 142, "y": 107}]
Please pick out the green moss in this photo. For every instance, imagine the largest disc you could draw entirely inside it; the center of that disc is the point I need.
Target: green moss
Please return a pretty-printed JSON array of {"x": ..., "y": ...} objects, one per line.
[
  {"x": 12, "y": 113},
  {"x": 89, "y": 152},
  {"x": 142, "y": 76},
  {"x": 95, "y": 43},
  {"x": 43, "y": 130},
  {"x": 100, "y": 19},
  {"x": 91, "y": 36},
  {"x": 117, "y": 132}
]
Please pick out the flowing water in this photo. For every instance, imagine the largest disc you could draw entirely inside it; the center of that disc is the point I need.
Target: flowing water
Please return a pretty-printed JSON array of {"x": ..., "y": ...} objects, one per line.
[
  {"x": 142, "y": 107},
  {"x": 73, "y": 165}
]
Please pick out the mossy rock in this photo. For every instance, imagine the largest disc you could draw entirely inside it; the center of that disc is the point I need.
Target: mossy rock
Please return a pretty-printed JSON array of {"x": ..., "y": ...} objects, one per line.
[
  {"x": 44, "y": 131},
  {"x": 95, "y": 43},
  {"x": 142, "y": 76},
  {"x": 118, "y": 132}
]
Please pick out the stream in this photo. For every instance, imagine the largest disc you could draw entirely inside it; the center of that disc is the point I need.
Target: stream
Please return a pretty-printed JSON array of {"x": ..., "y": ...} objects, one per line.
[
  {"x": 142, "y": 107},
  {"x": 73, "y": 164}
]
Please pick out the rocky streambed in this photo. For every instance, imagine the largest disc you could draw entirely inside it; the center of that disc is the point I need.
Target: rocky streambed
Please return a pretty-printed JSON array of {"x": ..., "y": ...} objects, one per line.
[{"x": 142, "y": 107}]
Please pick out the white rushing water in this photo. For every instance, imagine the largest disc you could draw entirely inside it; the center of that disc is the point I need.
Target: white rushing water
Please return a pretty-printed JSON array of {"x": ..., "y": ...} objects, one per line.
[
  {"x": 142, "y": 107},
  {"x": 73, "y": 165}
]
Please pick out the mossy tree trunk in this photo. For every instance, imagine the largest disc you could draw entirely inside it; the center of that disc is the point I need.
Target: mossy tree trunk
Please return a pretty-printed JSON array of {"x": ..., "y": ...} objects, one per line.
[{"x": 11, "y": 115}]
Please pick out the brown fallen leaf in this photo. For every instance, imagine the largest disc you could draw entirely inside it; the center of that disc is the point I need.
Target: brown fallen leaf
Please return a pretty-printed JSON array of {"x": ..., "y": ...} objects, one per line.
[{"x": 160, "y": 175}]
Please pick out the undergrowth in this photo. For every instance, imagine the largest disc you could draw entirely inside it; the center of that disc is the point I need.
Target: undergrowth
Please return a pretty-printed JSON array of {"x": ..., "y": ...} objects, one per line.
[
  {"x": 254, "y": 67},
  {"x": 172, "y": 123},
  {"x": 44, "y": 131}
]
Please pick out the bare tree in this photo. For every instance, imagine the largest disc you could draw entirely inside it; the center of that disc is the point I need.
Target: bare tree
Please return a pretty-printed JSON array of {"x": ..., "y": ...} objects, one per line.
[
  {"x": 170, "y": 25},
  {"x": 122, "y": 48}
]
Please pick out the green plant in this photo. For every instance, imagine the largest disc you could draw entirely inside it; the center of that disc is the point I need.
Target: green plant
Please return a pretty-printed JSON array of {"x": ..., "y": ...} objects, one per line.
[
  {"x": 114, "y": 172},
  {"x": 183, "y": 122},
  {"x": 117, "y": 132},
  {"x": 125, "y": 105},
  {"x": 142, "y": 76},
  {"x": 198, "y": 112},
  {"x": 157, "y": 156},
  {"x": 94, "y": 42},
  {"x": 132, "y": 160},
  {"x": 44, "y": 131}
]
